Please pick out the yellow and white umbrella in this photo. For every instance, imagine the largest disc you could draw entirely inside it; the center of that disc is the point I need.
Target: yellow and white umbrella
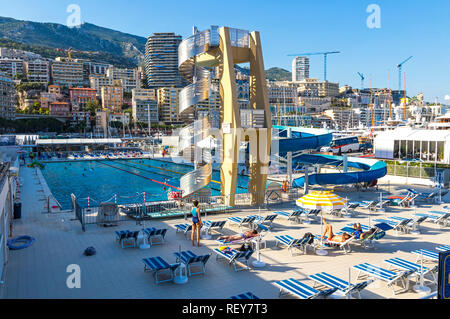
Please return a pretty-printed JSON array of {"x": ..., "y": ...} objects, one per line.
[{"x": 325, "y": 200}]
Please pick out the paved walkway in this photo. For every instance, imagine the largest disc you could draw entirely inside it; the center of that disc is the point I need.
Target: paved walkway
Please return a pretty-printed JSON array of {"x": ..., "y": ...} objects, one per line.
[{"x": 40, "y": 270}]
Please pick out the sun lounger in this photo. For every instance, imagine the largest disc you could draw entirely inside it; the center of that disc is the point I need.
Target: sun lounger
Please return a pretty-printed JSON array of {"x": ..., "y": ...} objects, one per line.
[
  {"x": 428, "y": 255},
  {"x": 397, "y": 225},
  {"x": 184, "y": 228},
  {"x": 345, "y": 246},
  {"x": 349, "y": 210},
  {"x": 370, "y": 205},
  {"x": 190, "y": 259},
  {"x": 265, "y": 220},
  {"x": 127, "y": 238},
  {"x": 242, "y": 221},
  {"x": 402, "y": 264},
  {"x": 346, "y": 288},
  {"x": 154, "y": 233},
  {"x": 385, "y": 275},
  {"x": 158, "y": 265},
  {"x": 413, "y": 224},
  {"x": 301, "y": 290},
  {"x": 208, "y": 226},
  {"x": 439, "y": 218},
  {"x": 443, "y": 248},
  {"x": 245, "y": 295},
  {"x": 310, "y": 215},
  {"x": 292, "y": 216},
  {"x": 234, "y": 257},
  {"x": 290, "y": 242}
]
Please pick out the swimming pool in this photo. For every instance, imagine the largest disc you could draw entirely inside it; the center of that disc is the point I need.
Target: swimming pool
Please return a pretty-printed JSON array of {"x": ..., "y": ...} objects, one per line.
[{"x": 121, "y": 180}]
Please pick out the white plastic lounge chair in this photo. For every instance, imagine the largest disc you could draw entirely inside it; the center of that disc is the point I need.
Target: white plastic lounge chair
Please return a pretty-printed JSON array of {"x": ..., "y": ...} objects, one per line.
[
  {"x": 385, "y": 275},
  {"x": 439, "y": 218},
  {"x": 443, "y": 248},
  {"x": 428, "y": 255},
  {"x": 191, "y": 259},
  {"x": 234, "y": 257},
  {"x": 344, "y": 287},
  {"x": 245, "y": 295},
  {"x": 242, "y": 221},
  {"x": 292, "y": 216},
  {"x": 413, "y": 224},
  {"x": 184, "y": 228},
  {"x": 290, "y": 242},
  {"x": 208, "y": 226},
  {"x": 402, "y": 264},
  {"x": 345, "y": 246},
  {"x": 301, "y": 290},
  {"x": 265, "y": 220},
  {"x": 157, "y": 265},
  {"x": 397, "y": 225},
  {"x": 310, "y": 215},
  {"x": 154, "y": 233}
]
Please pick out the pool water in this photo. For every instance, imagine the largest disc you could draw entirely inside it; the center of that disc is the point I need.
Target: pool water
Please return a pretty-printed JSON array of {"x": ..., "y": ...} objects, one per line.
[{"x": 129, "y": 178}]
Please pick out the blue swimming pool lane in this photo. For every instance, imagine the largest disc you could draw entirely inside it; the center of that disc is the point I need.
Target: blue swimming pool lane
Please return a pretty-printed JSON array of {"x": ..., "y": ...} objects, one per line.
[{"x": 100, "y": 180}]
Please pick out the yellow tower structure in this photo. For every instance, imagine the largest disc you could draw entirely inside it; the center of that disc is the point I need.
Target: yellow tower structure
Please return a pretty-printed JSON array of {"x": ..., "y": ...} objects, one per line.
[{"x": 222, "y": 48}]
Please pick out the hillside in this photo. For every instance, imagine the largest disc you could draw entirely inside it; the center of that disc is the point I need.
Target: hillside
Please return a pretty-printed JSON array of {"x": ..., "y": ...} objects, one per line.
[
  {"x": 272, "y": 74},
  {"x": 93, "y": 40}
]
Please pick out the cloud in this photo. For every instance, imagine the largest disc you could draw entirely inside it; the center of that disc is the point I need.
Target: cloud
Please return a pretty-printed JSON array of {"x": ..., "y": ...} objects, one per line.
[{"x": 447, "y": 97}]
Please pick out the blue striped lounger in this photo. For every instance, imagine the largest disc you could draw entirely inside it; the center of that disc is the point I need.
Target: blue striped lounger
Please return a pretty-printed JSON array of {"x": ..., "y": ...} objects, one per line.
[
  {"x": 157, "y": 265},
  {"x": 301, "y": 290},
  {"x": 234, "y": 256},
  {"x": 290, "y": 242},
  {"x": 346, "y": 288},
  {"x": 427, "y": 255},
  {"x": 184, "y": 228},
  {"x": 388, "y": 276},
  {"x": 191, "y": 259},
  {"x": 246, "y": 295},
  {"x": 398, "y": 263},
  {"x": 443, "y": 248}
]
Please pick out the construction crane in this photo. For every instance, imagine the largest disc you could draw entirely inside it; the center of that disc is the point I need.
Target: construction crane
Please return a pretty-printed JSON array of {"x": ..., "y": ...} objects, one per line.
[
  {"x": 399, "y": 66},
  {"x": 362, "y": 80},
  {"x": 325, "y": 54}
]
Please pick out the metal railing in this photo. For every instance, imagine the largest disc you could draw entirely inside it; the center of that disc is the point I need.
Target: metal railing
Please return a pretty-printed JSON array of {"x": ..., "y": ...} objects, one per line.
[{"x": 413, "y": 170}]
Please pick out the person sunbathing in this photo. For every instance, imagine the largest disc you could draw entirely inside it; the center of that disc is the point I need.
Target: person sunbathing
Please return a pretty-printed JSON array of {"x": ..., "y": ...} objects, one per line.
[
  {"x": 359, "y": 234},
  {"x": 328, "y": 232},
  {"x": 246, "y": 235}
]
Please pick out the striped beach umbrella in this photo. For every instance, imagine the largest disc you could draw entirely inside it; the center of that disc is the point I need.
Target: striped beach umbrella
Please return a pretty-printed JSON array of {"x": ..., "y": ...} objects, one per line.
[{"x": 325, "y": 200}]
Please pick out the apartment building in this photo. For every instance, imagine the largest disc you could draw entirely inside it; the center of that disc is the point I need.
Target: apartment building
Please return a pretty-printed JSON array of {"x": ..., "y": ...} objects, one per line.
[
  {"x": 67, "y": 72},
  {"x": 98, "y": 68},
  {"x": 168, "y": 102},
  {"x": 144, "y": 105},
  {"x": 112, "y": 98},
  {"x": 343, "y": 117},
  {"x": 59, "y": 108},
  {"x": 79, "y": 97},
  {"x": 19, "y": 54},
  {"x": 7, "y": 98},
  {"x": 55, "y": 89},
  {"x": 283, "y": 98},
  {"x": 12, "y": 67},
  {"x": 46, "y": 98},
  {"x": 161, "y": 61},
  {"x": 37, "y": 71},
  {"x": 314, "y": 88},
  {"x": 97, "y": 81},
  {"x": 128, "y": 78}
]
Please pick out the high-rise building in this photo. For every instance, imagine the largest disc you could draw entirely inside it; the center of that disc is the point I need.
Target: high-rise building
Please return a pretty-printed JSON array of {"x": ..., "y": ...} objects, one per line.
[
  {"x": 300, "y": 68},
  {"x": 112, "y": 98},
  {"x": 7, "y": 93},
  {"x": 128, "y": 78},
  {"x": 161, "y": 61},
  {"x": 67, "y": 72},
  {"x": 97, "y": 81}
]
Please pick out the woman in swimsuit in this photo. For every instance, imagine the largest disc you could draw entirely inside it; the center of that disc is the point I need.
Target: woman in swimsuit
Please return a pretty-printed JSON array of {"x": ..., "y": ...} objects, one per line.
[
  {"x": 328, "y": 232},
  {"x": 196, "y": 223},
  {"x": 245, "y": 235}
]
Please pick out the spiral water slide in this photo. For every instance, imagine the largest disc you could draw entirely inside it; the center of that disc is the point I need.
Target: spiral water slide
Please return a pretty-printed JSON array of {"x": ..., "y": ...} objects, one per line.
[{"x": 200, "y": 78}]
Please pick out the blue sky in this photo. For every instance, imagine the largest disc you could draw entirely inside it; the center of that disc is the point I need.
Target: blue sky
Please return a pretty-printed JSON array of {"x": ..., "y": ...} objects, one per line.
[{"x": 408, "y": 27}]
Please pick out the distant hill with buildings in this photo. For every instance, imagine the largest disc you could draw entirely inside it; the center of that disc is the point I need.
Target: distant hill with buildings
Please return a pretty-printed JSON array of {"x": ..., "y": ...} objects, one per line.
[
  {"x": 87, "y": 41},
  {"x": 272, "y": 74}
]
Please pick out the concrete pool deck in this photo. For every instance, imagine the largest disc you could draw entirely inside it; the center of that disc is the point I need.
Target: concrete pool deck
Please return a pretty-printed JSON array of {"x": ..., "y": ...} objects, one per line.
[{"x": 39, "y": 271}]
